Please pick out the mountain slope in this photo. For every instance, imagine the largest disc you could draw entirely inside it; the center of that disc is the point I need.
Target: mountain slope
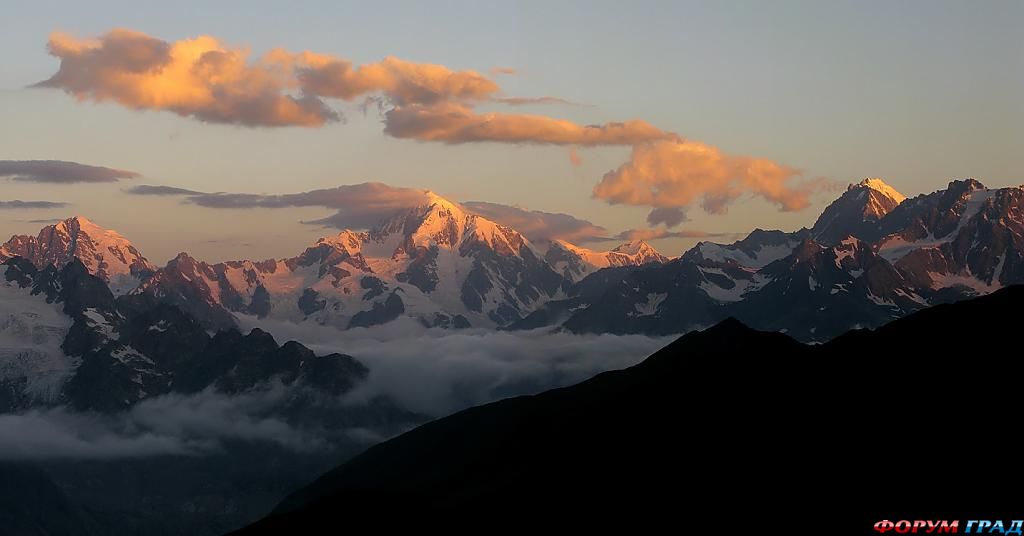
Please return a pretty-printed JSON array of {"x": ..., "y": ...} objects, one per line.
[
  {"x": 105, "y": 253},
  {"x": 31, "y": 504},
  {"x": 707, "y": 430}
]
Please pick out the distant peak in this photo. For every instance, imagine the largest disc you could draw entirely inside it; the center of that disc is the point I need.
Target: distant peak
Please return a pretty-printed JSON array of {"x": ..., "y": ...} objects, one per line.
[
  {"x": 633, "y": 247},
  {"x": 881, "y": 187},
  {"x": 967, "y": 185}
]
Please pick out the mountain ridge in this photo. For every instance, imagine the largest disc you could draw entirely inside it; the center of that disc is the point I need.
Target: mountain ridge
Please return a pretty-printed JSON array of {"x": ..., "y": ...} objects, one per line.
[{"x": 445, "y": 267}]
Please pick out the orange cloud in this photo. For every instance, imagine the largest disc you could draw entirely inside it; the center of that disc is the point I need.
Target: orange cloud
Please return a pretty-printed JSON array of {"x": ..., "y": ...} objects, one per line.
[
  {"x": 509, "y": 71},
  {"x": 402, "y": 81},
  {"x": 458, "y": 123},
  {"x": 204, "y": 79},
  {"x": 678, "y": 173},
  {"x": 207, "y": 80},
  {"x": 198, "y": 78}
]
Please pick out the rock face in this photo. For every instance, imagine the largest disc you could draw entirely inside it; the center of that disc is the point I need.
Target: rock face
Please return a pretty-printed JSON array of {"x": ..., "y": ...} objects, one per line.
[
  {"x": 857, "y": 212},
  {"x": 104, "y": 253},
  {"x": 894, "y": 259},
  {"x": 66, "y": 340}
]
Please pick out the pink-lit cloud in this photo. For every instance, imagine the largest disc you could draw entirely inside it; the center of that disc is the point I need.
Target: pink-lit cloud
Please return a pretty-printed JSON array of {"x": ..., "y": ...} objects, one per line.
[
  {"x": 207, "y": 80},
  {"x": 200, "y": 78},
  {"x": 456, "y": 123},
  {"x": 507, "y": 71},
  {"x": 680, "y": 173},
  {"x": 574, "y": 157}
]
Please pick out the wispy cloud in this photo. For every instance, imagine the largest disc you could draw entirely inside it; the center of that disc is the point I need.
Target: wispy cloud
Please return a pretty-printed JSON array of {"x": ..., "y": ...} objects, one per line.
[
  {"x": 60, "y": 172},
  {"x": 539, "y": 226},
  {"x": 358, "y": 206},
  {"x": 17, "y": 204},
  {"x": 149, "y": 189},
  {"x": 654, "y": 234},
  {"x": 528, "y": 101}
]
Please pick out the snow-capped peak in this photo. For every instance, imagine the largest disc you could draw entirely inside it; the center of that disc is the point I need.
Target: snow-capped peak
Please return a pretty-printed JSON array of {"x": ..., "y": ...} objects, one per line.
[
  {"x": 104, "y": 252},
  {"x": 881, "y": 187},
  {"x": 443, "y": 224},
  {"x": 634, "y": 247},
  {"x": 638, "y": 252}
]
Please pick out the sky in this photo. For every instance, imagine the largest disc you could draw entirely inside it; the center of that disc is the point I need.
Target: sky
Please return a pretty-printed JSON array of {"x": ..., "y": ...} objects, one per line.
[{"x": 737, "y": 114}]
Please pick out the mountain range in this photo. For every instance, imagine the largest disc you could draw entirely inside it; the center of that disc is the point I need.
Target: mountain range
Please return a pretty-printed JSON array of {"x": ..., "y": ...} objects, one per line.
[
  {"x": 89, "y": 324},
  {"x": 872, "y": 256},
  {"x": 436, "y": 263}
]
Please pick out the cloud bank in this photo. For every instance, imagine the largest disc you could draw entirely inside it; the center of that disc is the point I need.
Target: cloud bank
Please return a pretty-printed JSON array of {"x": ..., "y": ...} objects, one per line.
[
  {"x": 207, "y": 80},
  {"x": 428, "y": 372},
  {"x": 438, "y": 372},
  {"x": 60, "y": 172},
  {"x": 167, "y": 425}
]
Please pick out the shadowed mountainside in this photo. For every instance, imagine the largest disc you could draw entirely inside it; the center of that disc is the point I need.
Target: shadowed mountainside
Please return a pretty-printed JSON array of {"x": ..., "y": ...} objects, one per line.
[{"x": 728, "y": 425}]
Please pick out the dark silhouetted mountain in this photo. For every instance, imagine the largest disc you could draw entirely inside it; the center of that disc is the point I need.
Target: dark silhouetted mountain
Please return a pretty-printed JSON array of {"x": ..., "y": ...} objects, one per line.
[
  {"x": 722, "y": 428},
  {"x": 31, "y": 504}
]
